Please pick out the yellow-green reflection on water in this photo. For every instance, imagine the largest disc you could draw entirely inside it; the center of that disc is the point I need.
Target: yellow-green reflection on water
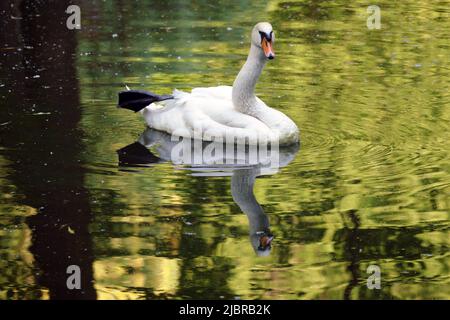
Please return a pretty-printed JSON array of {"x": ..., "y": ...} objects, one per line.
[{"x": 370, "y": 184}]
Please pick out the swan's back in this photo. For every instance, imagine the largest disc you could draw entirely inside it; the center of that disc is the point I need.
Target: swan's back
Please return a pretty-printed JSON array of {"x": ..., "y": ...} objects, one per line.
[{"x": 220, "y": 92}]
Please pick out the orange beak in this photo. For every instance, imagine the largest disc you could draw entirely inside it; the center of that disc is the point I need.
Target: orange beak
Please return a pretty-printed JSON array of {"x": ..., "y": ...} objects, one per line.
[{"x": 267, "y": 48}]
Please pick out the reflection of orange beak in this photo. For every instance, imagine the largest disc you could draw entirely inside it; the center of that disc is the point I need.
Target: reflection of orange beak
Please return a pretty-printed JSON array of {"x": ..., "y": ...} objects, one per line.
[
  {"x": 267, "y": 48},
  {"x": 265, "y": 241}
]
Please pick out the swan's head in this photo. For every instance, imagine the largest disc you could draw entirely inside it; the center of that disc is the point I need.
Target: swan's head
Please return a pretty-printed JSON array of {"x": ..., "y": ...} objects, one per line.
[
  {"x": 262, "y": 243},
  {"x": 263, "y": 37}
]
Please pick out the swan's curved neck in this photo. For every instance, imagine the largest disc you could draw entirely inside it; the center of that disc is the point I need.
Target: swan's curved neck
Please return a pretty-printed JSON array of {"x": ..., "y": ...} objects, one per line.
[{"x": 244, "y": 99}]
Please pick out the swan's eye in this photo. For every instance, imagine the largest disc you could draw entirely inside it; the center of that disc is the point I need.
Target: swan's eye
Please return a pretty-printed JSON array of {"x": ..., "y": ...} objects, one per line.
[{"x": 266, "y": 36}]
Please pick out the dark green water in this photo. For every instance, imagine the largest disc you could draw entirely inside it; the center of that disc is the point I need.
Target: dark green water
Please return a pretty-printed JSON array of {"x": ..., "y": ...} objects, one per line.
[{"x": 370, "y": 184}]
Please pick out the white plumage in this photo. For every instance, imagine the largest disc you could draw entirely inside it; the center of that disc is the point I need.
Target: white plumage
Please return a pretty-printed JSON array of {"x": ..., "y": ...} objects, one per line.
[{"x": 226, "y": 112}]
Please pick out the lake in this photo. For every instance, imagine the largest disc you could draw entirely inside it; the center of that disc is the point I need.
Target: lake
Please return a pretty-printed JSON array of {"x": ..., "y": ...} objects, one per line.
[{"x": 368, "y": 188}]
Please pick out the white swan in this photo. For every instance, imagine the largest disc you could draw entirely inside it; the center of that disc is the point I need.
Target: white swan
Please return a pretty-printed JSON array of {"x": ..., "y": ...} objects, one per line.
[{"x": 223, "y": 112}]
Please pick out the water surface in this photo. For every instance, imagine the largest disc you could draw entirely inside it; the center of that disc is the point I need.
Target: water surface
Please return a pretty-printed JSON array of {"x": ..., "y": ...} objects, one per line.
[{"x": 369, "y": 185}]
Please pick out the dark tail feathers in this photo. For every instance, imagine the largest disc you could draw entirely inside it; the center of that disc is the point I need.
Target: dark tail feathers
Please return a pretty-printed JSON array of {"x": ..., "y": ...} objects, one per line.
[
  {"x": 136, "y": 154},
  {"x": 137, "y": 100}
]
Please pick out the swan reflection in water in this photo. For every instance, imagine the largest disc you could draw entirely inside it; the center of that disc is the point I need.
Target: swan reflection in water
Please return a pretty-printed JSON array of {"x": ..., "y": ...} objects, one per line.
[{"x": 242, "y": 162}]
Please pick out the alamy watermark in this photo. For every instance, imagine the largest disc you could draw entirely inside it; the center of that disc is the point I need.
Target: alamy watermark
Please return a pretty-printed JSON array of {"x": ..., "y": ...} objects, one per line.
[
  {"x": 74, "y": 280},
  {"x": 374, "y": 20},
  {"x": 199, "y": 147},
  {"x": 74, "y": 20},
  {"x": 374, "y": 280}
]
